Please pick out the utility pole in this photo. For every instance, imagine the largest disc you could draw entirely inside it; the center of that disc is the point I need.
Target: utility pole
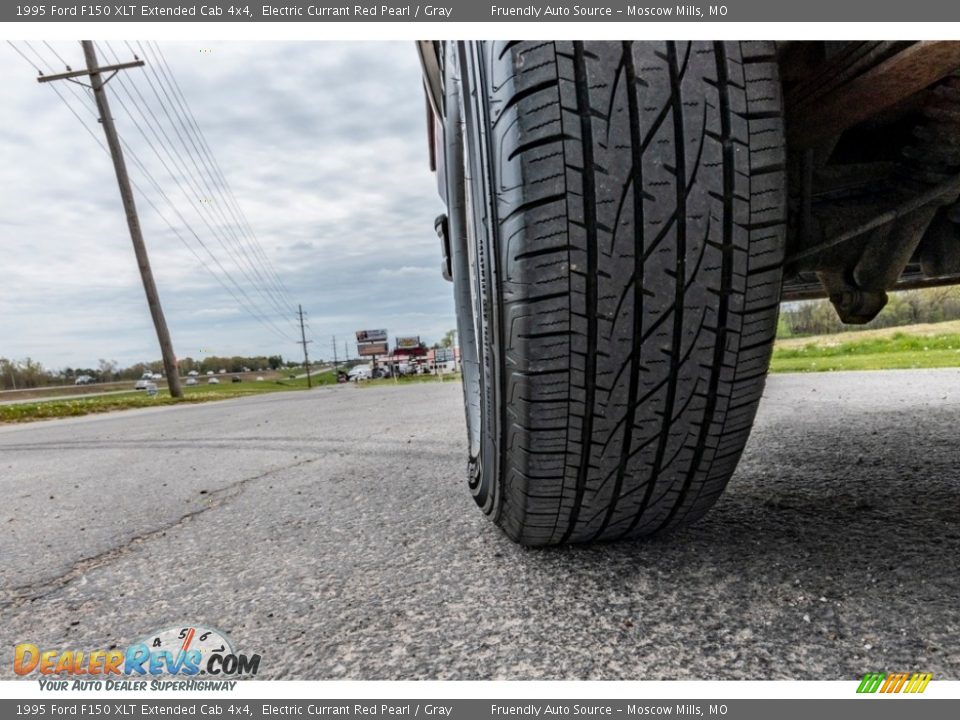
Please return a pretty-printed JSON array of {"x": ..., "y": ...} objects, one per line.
[
  {"x": 335, "y": 364},
  {"x": 97, "y": 84},
  {"x": 305, "y": 342}
]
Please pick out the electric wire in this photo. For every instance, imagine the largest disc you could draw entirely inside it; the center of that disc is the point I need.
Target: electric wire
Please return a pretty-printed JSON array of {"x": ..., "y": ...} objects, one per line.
[
  {"x": 177, "y": 159},
  {"x": 263, "y": 319},
  {"x": 225, "y": 232},
  {"x": 171, "y": 110},
  {"x": 219, "y": 172}
]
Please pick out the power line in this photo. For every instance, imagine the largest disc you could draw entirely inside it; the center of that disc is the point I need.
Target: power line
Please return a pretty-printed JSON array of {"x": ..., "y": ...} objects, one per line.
[
  {"x": 51, "y": 48},
  {"x": 74, "y": 87},
  {"x": 166, "y": 85},
  {"x": 251, "y": 272},
  {"x": 250, "y": 310},
  {"x": 225, "y": 183},
  {"x": 181, "y": 166},
  {"x": 28, "y": 60},
  {"x": 249, "y": 305},
  {"x": 246, "y": 303}
]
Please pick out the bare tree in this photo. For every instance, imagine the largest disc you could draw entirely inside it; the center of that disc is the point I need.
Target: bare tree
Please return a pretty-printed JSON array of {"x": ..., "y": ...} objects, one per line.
[{"x": 107, "y": 369}]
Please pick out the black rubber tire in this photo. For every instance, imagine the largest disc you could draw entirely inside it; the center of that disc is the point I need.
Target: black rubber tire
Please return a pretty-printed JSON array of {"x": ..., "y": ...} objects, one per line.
[{"x": 628, "y": 225}]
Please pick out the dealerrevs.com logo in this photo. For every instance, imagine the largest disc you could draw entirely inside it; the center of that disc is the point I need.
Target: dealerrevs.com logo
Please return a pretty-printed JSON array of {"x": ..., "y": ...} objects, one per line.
[{"x": 156, "y": 660}]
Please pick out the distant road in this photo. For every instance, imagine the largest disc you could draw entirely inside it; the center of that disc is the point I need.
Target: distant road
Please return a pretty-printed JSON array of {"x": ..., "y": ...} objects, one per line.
[{"x": 332, "y": 531}]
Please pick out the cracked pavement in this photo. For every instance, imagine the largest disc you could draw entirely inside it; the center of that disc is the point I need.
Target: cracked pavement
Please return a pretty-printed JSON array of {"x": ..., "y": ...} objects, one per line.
[{"x": 332, "y": 532}]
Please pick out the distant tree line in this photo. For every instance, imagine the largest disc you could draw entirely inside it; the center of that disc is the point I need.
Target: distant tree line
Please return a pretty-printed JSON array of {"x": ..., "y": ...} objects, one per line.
[
  {"x": 28, "y": 373},
  {"x": 24, "y": 373},
  {"x": 232, "y": 364},
  {"x": 909, "y": 307}
]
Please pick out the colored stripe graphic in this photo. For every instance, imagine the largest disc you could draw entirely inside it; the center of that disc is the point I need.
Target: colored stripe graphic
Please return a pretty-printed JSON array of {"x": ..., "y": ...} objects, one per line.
[
  {"x": 870, "y": 683},
  {"x": 918, "y": 683},
  {"x": 894, "y": 682}
]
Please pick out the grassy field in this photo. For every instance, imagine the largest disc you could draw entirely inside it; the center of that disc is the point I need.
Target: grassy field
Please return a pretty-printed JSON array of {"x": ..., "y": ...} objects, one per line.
[
  {"x": 46, "y": 391},
  {"x": 413, "y": 379},
  {"x": 64, "y": 390},
  {"x": 915, "y": 346},
  {"x": 42, "y": 410}
]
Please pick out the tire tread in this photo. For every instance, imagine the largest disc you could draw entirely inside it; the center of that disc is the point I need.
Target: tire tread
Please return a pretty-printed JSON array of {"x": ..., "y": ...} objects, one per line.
[{"x": 641, "y": 207}]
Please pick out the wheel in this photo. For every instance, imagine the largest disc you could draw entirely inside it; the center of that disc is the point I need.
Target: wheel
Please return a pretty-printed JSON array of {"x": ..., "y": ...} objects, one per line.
[{"x": 617, "y": 225}]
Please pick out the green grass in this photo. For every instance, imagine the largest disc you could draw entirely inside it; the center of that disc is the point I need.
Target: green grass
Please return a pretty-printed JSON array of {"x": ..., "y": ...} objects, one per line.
[
  {"x": 901, "y": 350},
  {"x": 412, "y": 379},
  {"x": 42, "y": 410}
]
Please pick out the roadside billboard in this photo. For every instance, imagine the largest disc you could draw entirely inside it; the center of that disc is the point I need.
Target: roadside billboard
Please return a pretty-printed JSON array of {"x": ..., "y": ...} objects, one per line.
[
  {"x": 408, "y": 343},
  {"x": 365, "y": 336},
  {"x": 372, "y": 348}
]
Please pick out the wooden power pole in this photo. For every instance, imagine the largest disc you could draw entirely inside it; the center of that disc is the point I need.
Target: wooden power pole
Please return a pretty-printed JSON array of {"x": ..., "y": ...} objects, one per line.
[
  {"x": 305, "y": 342},
  {"x": 97, "y": 83}
]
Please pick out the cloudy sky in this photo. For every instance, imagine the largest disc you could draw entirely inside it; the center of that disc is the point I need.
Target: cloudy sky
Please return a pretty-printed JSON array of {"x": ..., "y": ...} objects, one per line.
[{"x": 324, "y": 146}]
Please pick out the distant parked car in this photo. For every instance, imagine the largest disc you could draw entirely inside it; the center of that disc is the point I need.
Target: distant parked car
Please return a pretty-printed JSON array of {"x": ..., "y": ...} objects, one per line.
[
  {"x": 236, "y": 379},
  {"x": 156, "y": 376},
  {"x": 259, "y": 378},
  {"x": 141, "y": 384},
  {"x": 84, "y": 380},
  {"x": 192, "y": 373},
  {"x": 209, "y": 372},
  {"x": 213, "y": 381},
  {"x": 191, "y": 381},
  {"x": 360, "y": 372},
  {"x": 222, "y": 371}
]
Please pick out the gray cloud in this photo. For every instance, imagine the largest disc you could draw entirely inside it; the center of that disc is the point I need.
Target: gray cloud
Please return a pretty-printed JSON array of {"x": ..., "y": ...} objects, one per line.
[{"x": 324, "y": 146}]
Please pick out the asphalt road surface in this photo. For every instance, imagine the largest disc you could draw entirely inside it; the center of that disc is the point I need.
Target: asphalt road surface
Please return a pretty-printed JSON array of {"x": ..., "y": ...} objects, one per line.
[{"x": 332, "y": 532}]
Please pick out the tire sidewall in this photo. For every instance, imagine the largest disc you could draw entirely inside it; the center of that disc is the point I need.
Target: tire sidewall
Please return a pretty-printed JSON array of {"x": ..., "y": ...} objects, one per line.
[{"x": 474, "y": 272}]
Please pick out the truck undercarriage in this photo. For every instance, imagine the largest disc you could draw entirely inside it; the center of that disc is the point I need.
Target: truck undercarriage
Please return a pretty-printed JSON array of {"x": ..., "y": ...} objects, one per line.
[{"x": 873, "y": 148}]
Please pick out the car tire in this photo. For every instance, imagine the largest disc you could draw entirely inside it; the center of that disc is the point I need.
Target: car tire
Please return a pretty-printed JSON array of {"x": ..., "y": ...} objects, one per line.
[{"x": 617, "y": 226}]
